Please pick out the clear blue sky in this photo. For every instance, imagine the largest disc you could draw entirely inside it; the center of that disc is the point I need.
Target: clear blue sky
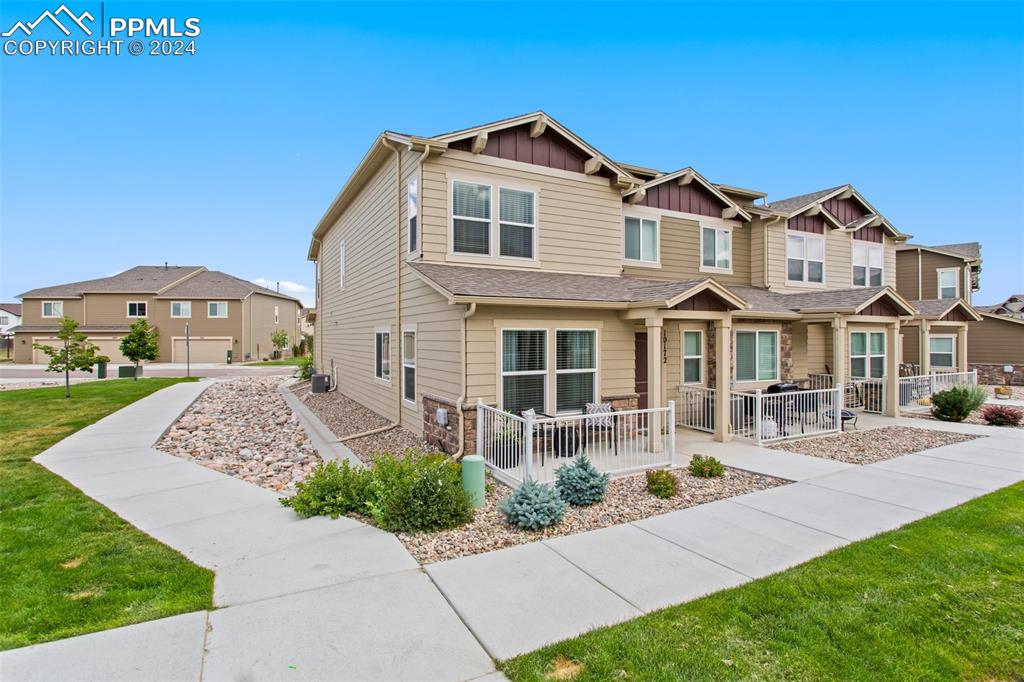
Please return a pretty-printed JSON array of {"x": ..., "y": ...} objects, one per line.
[{"x": 228, "y": 158}]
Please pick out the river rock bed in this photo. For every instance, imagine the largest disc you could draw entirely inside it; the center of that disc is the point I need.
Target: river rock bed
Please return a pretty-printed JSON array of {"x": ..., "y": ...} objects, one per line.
[{"x": 874, "y": 445}]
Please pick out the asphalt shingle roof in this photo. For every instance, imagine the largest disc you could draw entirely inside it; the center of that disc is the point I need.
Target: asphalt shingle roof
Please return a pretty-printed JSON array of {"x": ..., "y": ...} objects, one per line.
[
  {"x": 142, "y": 279},
  {"x": 12, "y": 308},
  {"x": 799, "y": 201},
  {"x": 214, "y": 284},
  {"x": 970, "y": 250}
]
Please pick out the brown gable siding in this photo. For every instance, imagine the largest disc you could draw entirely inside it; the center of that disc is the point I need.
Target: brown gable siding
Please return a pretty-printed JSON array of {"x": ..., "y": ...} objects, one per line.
[
  {"x": 906, "y": 275},
  {"x": 691, "y": 198},
  {"x": 703, "y": 300},
  {"x": 931, "y": 263},
  {"x": 870, "y": 234},
  {"x": 881, "y": 307},
  {"x": 807, "y": 223},
  {"x": 515, "y": 144},
  {"x": 846, "y": 210},
  {"x": 994, "y": 341},
  {"x": 956, "y": 315}
]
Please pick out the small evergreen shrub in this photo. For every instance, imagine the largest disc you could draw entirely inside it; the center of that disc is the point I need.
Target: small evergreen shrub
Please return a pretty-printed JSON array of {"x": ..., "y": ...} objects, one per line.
[
  {"x": 661, "y": 483},
  {"x": 580, "y": 483},
  {"x": 533, "y": 506},
  {"x": 955, "y": 404},
  {"x": 418, "y": 492},
  {"x": 331, "y": 491},
  {"x": 706, "y": 467},
  {"x": 1002, "y": 415}
]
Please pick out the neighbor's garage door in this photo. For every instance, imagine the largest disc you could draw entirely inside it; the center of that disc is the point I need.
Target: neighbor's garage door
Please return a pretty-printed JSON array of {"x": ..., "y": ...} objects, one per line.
[
  {"x": 38, "y": 356},
  {"x": 202, "y": 350},
  {"x": 109, "y": 346}
]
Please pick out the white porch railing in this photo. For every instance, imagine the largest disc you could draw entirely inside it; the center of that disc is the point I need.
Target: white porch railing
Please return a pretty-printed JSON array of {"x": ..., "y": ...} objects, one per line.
[
  {"x": 819, "y": 381},
  {"x": 696, "y": 408},
  {"x": 519, "y": 448},
  {"x": 769, "y": 417},
  {"x": 923, "y": 386}
]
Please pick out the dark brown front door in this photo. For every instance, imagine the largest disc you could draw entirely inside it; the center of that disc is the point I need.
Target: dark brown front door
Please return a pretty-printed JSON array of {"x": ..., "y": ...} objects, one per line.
[{"x": 640, "y": 365}]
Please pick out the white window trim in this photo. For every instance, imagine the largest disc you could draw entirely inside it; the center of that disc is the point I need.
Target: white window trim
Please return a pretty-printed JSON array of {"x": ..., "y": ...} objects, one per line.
[
  {"x": 717, "y": 227},
  {"x": 410, "y": 329},
  {"x": 683, "y": 357},
  {"x": 868, "y": 354},
  {"x": 494, "y": 233},
  {"x": 757, "y": 356},
  {"x": 182, "y": 303},
  {"x": 409, "y": 250},
  {"x": 939, "y": 287},
  {"x": 640, "y": 263},
  {"x": 128, "y": 307},
  {"x": 952, "y": 353},
  {"x": 552, "y": 362},
  {"x": 341, "y": 264},
  {"x": 867, "y": 266},
  {"x": 382, "y": 331},
  {"x": 501, "y": 365},
  {"x": 217, "y": 317},
  {"x": 53, "y": 304},
  {"x": 824, "y": 245}
]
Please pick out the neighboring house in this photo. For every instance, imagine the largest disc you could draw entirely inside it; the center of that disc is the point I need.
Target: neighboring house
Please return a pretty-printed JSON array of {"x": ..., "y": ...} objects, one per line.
[
  {"x": 997, "y": 344},
  {"x": 1012, "y": 307},
  {"x": 10, "y": 317},
  {"x": 939, "y": 282},
  {"x": 223, "y": 313},
  {"x": 516, "y": 264},
  {"x": 307, "y": 316}
]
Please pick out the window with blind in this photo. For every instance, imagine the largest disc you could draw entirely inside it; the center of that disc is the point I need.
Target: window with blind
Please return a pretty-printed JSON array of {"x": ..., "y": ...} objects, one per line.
[
  {"x": 53, "y": 308},
  {"x": 867, "y": 355},
  {"x": 641, "y": 239},
  {"x": 867, "y": 264},
  {"x": 414, "y": 215},
  {"x": 409, "y": 366},
  {"x": 382, "y": 356},
  {"x": 475, "y": 228},
  {"x": 757, "y": 356},
  {"x": 805, "y": 258},
  {"x": 517, "y": 222},
  {"x": 716, "y": 248},
  {"x": 693, "y": 357},
  {"x": 471, "y": 218},
  {"x": 575, "y": 369},
  {"x": 948, "y": 283},
  {"x": 940, "y": 352},
  {"x": 523, "y": 369}
]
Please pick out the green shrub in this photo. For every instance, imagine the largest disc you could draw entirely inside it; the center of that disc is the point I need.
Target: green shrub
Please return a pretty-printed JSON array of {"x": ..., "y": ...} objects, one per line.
[
  {"x": 955, "y": 404},
  {"x": 580, "y": 483},
  {"x": 1002, "y": 415},
  {"x": 661, "y": 483},
  {"x": 418, "y": 492},
  {"x": 706, "y": 467},
  {"x": 305, "y": 367},
  {"x": 533, "y": 506},
  {"x": 331, "y": 491}
]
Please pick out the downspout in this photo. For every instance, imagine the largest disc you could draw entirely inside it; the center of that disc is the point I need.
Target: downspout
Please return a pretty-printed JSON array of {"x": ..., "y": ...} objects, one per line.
[
  {"x": 470, "y": 312},
  {"x": 400, "y": 378}
]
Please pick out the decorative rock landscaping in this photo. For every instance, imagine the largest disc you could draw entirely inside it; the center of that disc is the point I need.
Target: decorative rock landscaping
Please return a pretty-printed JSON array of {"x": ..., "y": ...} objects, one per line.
[
  {"x": 875, "y": 445},
  {"x": 627, "y": 499},
  {"x": 243, "y": 428}
]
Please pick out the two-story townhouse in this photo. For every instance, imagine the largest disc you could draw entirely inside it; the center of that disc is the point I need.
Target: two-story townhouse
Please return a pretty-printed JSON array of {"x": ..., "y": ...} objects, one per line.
[
  {"x": 223, "y": 313},
  {"x": 10, "y": 317},
  {"x": 516, "y": 264}
]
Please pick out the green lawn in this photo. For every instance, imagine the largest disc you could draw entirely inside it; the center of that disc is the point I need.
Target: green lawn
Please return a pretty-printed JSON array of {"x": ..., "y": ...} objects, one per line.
[
  {"x": 940, "y": 599},
  {"x": 275, "y": 363},
  {"x": 68, "y": 565}
]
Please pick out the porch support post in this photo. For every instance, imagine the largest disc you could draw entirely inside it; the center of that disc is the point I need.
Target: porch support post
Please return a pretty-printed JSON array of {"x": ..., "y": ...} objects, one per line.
[
  {"x": 840, "y": 355},
  {"x": 961, "y": 349},
  {"x": 925, "y": 346},
  {"x": 654, "y": 383},
  {"x": 723, "y": 369},
  {"x": 892, "y": 378}
]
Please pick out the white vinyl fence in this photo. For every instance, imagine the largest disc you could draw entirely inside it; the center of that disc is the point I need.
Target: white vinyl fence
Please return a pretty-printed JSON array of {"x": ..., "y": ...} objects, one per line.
[
  {"x": 924, "y": 386},
  {"x": 768, "y": 417},
  {"x": 518, "y": 448}
]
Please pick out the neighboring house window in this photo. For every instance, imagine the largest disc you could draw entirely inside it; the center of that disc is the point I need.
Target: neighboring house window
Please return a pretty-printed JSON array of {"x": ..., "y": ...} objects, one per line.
[
  {"x": 409, "y": 366},
  {"x": 276, "y": 314},
  {"x": 641, "y": 239},
  {"x": 867, "y": 355},
  {"x": 805, "y": 258},
  {"x": 575, "y": 369},
  {"x": 948, "y": 283},
  {"x": 757, "y": 356},
  {"x": 217, "y": 309},
  {"x": 523, "y": 369},
  {"x": 136, "y": 308},
  {"x": 181, "y": 308},
  {"x": 341, "y": 265},
  {"x": 414, "y": 215},
  {"x": 716, "y": 248},
  {"x": 382, "y": 356},
  {"x": 940, "y": 352},
  {"x": 471, "y": 218},
  {"x": 53, "y": 308},
  {"x": 693, "y": 357},
  {"x": 3, "y": 319},
  {"x": 517, "y": 223},
  {"x": 867, "y": 264}
]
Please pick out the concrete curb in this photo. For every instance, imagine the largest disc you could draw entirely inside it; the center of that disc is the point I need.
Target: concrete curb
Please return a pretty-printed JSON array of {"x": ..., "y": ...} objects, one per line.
[{"x": 325, "y": 442}]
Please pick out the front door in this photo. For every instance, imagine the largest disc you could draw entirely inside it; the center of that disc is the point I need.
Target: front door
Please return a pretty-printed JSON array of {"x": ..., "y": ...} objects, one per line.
[{"x": 640, "y": 371}]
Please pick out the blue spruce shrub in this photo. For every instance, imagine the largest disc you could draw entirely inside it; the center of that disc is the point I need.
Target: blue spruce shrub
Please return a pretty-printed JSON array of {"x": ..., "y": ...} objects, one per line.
[
  {"x": 533, "y": 506},
  {"x": 580, "y": 483}
]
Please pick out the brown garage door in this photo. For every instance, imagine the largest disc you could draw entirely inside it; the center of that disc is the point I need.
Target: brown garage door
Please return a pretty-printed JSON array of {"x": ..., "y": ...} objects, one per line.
[{"x": 202, "y": 350}]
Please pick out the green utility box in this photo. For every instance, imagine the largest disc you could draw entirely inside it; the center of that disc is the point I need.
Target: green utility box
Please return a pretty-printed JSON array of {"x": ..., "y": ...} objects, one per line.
[
  {"x": 101, "y": 370},
  {"x": 128, "y": 371},
  {"x": 473, "y": 478},
  {"x": 229, "y": 356}
]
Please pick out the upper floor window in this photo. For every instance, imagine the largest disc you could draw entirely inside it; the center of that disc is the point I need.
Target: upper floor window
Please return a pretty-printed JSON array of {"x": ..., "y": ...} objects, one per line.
[
  {"x": 136, "y": 308},
  {"x": 474, "y": 231},
  {"x": 949, "y": 283},
  {"x": 805, "y": 258},
  {"x": 641, "y": 239},
  {"x": 217, "y": 309},
  {"x": 181, "y": 308},
  {"x": 867, "y": 264},
  {"x": 53, "y": 308},
  {"x": 716, "y": 248},
  {"x": 414, "y": 214},
  {"x": 517, "y": 222},
  {"x": 3, "y": 319}
]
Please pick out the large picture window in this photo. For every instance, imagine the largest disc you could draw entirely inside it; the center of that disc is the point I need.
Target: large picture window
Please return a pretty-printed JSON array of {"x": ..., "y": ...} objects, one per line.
[
  {"x": 641, "y": 239},
  {"x": 716, "y": 248},
  {"x": 867, "y": 355},
  {"x": 757, "y": 356},
  {"x": 575, "y": 369},
  {"x": 523, "y": 369},
  {"x": 867, "y": 264},
  {"x": 409, "y": 366},
  {"x": 940, "y": 353},
  {"x": 949, "y": 283},
  {"x": 382, "y": 356},
  {"x": 805, "y": 258},
  {"x": 693, "y": 357}
]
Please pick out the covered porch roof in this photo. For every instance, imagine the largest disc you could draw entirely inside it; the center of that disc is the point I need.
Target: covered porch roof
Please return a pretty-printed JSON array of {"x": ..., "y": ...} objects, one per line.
[{"x": 946, "y": 310}]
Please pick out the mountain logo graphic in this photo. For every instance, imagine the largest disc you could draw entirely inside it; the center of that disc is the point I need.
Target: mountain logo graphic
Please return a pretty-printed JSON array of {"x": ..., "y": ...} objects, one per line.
[{"x": 78, "y": 20}]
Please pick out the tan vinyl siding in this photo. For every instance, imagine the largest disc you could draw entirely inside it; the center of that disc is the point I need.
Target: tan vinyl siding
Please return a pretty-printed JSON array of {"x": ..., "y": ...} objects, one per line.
[
  {"x": 757, "y": 230},
  {"x": 259, "y": 323},
  {"x": 32, "y": 310},
  {"x": 113, "y": 308},
  {"x": 996, "y": 342},
  {"x": 679, "y": 251},
  {"x": 838, "y": 261},
  {"x": 819, "y": 350},
  {"x": 801, "y": 332},
  {"x": 199, "y": 325}
]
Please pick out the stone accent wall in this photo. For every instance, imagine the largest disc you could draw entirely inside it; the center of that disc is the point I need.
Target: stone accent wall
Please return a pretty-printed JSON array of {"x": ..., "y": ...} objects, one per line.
[
  {"x": 994, "y": 374},
  {"x": 786, "y": 352},
  {"x": 446, "y": 439},
  {"x": 625, "y": 401},
  {"x": 710, "y": 358}
]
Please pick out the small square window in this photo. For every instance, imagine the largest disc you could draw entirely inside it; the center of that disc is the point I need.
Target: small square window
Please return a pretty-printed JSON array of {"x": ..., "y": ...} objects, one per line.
[
  {"x": 136, "y": 308},
  {"x": 641, "y": 239},
  {"x": 181, "y": 309},
  {"x": 53, "y": 308},
  {"x": 217, "y": 309}
]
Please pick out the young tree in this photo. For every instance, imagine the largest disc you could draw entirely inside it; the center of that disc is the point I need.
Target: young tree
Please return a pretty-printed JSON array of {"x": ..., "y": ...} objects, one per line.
[
  {"x": 279, "y": 339},
  {"x": 141, "y": 343},
  {"x": 76, "y": 352}
]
